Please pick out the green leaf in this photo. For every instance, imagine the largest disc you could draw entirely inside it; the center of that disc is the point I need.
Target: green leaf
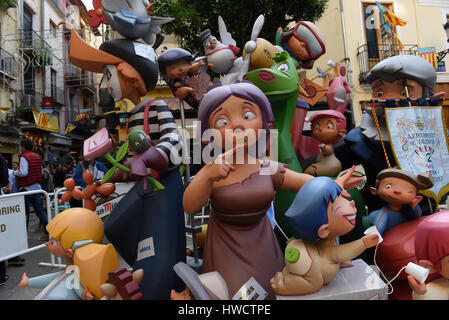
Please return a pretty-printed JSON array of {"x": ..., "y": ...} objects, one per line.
[
  {"x": 121, "y": 153},
  {"x": 155, "y": 184},
  {"x": 108, "y": 176}
]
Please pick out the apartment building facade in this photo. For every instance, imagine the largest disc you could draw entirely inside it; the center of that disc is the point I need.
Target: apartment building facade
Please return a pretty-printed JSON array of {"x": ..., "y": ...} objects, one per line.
[
  {"x": 356, "y": 35},
  {"x": 42, "y": 93}
]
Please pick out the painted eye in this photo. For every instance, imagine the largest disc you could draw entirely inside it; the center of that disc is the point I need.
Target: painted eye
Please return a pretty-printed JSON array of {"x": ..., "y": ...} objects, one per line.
[
  {"x": 404, "y": 93},
  {"x": 283, "y": 67},
  {"x": 249, "y": 115},
  {"x": 221, "y": 123},
  {"x": 380, "y": 94},
  {"x": 388, "y": 186},
  {"x": 330, "y": 126},
  {"x": 54, "y": 243},
  {"x": 316, "y": 127}
]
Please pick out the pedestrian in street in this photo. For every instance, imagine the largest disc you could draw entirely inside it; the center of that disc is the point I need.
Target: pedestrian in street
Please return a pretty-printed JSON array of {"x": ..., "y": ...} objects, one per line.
[
  {"x": 12, "y": 188},
  {"x": 30, "y": 178},
  {"x": 98, "y": 171},
  {"x": 4, "y": 180},
  {"x": 47, "y": 178},
  {"x": 60, "y": 175}
]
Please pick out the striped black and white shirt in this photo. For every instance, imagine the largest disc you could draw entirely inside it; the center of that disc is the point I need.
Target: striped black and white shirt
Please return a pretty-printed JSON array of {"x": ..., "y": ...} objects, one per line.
[{"x": 163, "y": 131}]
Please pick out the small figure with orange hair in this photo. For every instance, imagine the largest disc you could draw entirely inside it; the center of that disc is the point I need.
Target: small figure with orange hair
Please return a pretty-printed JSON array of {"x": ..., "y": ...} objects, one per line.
[
  {"x": 328, "y": 127},
  {"x": 76, "y": 235}
]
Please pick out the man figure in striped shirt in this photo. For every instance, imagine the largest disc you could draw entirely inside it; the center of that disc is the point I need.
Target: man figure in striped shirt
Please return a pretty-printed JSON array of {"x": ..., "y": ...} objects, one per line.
[{"x": 147, "y": 226}]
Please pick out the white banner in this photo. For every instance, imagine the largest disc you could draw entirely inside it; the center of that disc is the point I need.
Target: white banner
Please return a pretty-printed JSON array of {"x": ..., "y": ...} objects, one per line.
[
  {"x": 13, "y": 230},
  {"x": 419, "y": 144},
  {"x": 105, "y": 208}
]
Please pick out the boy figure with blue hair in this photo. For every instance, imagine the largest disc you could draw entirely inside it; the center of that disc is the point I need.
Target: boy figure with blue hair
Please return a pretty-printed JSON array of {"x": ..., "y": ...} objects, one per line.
[{"x": 319, "y": 211}]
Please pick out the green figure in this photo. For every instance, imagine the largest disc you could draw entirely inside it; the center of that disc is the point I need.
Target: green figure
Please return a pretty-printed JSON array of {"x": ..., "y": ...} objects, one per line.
[{"x": 280, "y": 84}]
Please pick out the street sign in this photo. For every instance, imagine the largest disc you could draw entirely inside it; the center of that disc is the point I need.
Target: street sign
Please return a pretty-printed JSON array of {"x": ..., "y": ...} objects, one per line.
[{"x": 13, "y": 230}]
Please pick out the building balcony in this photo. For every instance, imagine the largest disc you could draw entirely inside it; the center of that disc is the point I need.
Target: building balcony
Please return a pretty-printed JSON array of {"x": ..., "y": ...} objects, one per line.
[
  {"x": 72, "y": 73},
  {"x": 7, "y": 63},
  {"x": 58, "y": 95},
  {"x": 30, "y": 99},
  {"x": 368, "y": 55},
  {"x": 38, "y": 50}
]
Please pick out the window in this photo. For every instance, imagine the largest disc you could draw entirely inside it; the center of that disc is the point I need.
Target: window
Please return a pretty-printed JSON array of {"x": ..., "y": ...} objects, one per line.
[
  {"x": 53, "y": 28},
  {"x": 53, "y": 84},
  {"x": 380, "y": 44}
]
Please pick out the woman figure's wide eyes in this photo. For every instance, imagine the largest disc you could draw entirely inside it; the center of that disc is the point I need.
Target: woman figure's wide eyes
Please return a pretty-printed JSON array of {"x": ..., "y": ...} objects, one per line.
[
  {"x": 380, "y": 94},
  {"x": 54, "y": 243},
  {"x": 330, "y": 126},
  {"x": 221, "y": 123},
  {"x": 249, "y": 115},
  {"x": 388, "y": 186},
  {"x": 316, "y": 127}
]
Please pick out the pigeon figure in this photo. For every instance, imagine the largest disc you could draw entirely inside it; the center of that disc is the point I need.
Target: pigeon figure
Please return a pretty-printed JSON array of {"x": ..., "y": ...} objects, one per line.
[
  {"x": 220, "y": 55},
  {"x": 133, "y": 20}
]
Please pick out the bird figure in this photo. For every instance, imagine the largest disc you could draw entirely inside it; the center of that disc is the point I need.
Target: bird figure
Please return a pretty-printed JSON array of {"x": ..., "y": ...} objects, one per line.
[
  {"x": 220, "y": 55},
  {"x": 133, "y": 19}
]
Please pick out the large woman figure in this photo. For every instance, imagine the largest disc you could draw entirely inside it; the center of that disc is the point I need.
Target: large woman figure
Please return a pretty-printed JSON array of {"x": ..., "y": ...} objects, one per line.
[
  {"x": 147, "y": 226},
  {"x": 240, "y": 242}
]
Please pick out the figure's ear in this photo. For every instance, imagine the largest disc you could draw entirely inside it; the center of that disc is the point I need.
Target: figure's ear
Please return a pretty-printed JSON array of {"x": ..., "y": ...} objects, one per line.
[
  {"x": 131, "y": 74},
  {"x": 69, "y": 253},
  {"x": 373, "y": 190},
  {"x": 415, "y": 201},
  {"x": 428, "y": 265},
  {"x": 342, "y": 132},
  {"x": 323, "y": 231}
]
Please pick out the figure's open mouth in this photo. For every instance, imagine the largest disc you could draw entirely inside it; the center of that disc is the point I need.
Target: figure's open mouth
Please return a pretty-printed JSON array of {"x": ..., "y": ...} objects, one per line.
[
  {"x": 351, "y": 218},
  {"x": 266, "y": 76}
]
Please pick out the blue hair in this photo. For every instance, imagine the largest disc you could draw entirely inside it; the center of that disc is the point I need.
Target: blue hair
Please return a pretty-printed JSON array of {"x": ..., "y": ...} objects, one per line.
[{"x": 308, "y": 211}]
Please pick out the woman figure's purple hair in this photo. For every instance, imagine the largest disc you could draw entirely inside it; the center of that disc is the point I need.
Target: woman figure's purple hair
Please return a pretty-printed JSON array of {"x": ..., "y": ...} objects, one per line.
[{"x": 219, "y": 93}]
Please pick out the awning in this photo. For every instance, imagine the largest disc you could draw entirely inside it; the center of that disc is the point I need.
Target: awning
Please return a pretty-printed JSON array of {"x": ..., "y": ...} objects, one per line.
[{"x": 55, "y": 138}]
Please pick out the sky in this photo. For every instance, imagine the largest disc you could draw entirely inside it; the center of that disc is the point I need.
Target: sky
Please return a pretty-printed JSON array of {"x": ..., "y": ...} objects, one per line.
[{"x": 88, "y": 4}]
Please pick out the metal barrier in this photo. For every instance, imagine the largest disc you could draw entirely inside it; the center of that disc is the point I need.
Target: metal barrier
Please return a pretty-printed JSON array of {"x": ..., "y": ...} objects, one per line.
[
  {"x": 48, "y": 205},
  {"x": 56, "y": 261}
]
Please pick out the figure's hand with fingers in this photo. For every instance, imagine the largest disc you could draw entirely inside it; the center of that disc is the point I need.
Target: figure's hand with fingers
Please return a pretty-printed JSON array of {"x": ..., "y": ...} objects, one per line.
[
  {"x": 347, "y": 181},
  {"x": 222, "y": 166},
  {"x": 418, "y": 288}
]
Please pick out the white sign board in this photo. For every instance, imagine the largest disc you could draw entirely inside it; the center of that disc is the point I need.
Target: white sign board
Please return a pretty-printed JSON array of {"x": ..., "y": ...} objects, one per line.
[
  {"x": 419, "y": 143},
  {"x": 104, "y": 209},
  {"x": 13, "y": 230}
]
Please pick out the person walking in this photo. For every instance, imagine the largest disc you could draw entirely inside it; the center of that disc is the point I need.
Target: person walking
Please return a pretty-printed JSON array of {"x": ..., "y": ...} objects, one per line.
[
  {"x": 60, "y": 175},
  {"x": 4, "y": 181},
  {"x": 12, "y": 188},
  {"x": 30, "y": 178}
]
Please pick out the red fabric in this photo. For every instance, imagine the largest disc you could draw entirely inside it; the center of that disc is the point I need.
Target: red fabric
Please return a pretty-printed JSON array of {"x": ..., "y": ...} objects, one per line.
[
  {"x": 230, "y": 47},
  {"x": 34, "y": 169}
]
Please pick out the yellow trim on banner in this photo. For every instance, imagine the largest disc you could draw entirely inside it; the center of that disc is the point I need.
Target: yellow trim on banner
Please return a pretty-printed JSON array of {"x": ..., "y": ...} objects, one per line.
[{"x": 427, "y": 193}]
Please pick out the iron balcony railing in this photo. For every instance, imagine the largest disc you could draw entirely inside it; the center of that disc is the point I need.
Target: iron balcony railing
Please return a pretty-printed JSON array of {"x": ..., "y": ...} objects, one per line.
[
  {"x": 30, "y": 99},
  {"x": 31, "y": 39},
  {"x": 72, "y": 72},
  {"x": 57, "y": 94},
  {"x": 7, "y": 63},
  {"x": 368, "y": 55}
]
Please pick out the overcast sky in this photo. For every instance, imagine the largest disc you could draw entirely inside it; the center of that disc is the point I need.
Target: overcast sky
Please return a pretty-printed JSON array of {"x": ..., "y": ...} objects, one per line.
[{"x": 88, "y": 4}]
